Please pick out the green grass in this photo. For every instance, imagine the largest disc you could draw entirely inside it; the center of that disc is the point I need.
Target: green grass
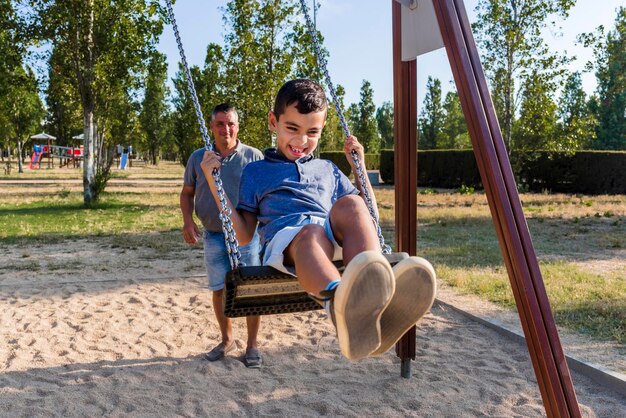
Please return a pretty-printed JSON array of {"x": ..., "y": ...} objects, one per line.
[
  {"x": 66, "y": 217},
  {"x": 571, "y": 235},
  {"x": 458, "y": 236},
  {"x": 591, "y": 304}
]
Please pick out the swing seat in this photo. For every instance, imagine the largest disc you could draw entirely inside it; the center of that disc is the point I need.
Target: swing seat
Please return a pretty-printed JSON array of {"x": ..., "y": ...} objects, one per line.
[{"x": 263, "y": 290}]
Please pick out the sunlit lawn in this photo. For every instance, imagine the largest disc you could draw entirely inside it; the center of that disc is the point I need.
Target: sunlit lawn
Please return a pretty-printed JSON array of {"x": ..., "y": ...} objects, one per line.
[{"x": 580, "y": 240}]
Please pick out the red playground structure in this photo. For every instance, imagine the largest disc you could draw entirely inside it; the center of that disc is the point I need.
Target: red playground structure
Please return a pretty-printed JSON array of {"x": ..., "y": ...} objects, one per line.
[{"x": 66, "y": 155}]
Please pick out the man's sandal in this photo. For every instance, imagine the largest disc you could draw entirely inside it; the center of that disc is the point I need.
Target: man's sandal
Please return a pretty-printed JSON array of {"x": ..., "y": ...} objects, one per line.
[
  {"x": 252, "y": 358},
  {"x": 219, "y": 351}
]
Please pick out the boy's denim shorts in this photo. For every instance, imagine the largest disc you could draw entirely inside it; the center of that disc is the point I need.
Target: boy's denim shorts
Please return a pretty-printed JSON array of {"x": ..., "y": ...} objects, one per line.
[
  {"x": 274, "y": 251},
  {"x": 216, "y": 257}
]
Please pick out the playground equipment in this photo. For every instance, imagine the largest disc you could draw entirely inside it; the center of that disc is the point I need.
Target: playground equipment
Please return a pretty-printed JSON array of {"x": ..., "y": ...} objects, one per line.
[
  {"x": 42, "y": 151},
  {"x": 125, "y": 155},
  {"x": 65, "y": 155},
  {"x": 35, "y": 157},
  {"x": 123, "y": 161},
  {"x": 421, "y": 26}
]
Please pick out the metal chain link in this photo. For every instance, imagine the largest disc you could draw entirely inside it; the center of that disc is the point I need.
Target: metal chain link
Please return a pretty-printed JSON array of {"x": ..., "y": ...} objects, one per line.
[
  {"x": 344, "y": 125},
  {"x": 232, "y": 246}
]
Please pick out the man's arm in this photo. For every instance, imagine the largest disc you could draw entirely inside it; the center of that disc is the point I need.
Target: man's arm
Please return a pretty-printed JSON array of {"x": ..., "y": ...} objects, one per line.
[
  {"x": 244, "y": 222},
  {"x": 191, "y": 233}
]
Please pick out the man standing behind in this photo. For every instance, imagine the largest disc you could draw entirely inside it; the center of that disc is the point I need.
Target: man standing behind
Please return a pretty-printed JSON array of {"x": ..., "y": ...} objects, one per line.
[{"x": 196, "y": 194}]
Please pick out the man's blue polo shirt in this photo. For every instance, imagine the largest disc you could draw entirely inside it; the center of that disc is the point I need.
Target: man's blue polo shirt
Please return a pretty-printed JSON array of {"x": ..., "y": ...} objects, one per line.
[
  {"x": 284, "y": 193},
  {"x": 232, "y": 166}
]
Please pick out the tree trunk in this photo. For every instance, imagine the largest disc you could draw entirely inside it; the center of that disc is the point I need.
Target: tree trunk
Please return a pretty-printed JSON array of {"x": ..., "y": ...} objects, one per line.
[
  {"x": 89, "y": 170},
  {"x": 20, "y": 163},
  {"x": 154, "y": 155},
  {"x": 85, "y": 74}
]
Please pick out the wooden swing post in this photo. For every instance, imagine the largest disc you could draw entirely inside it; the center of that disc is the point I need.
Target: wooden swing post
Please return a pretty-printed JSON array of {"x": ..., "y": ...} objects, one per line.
[
  {"x": 544, "y": 346},
  {"x": 405, "y": 166}
]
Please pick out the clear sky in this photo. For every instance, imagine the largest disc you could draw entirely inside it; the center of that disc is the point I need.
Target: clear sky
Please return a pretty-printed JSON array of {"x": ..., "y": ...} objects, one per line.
[{"x": 358, "y": 37}]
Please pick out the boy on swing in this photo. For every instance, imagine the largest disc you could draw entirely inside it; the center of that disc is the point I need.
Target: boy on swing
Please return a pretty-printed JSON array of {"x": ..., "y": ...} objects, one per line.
[{"x": 309, "y": 214}]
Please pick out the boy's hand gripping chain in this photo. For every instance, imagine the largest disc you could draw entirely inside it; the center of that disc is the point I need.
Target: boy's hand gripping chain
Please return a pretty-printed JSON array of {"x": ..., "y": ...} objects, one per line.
[
  {"x": 232, "y": 246},
  {"x": 355, "y": 157}
]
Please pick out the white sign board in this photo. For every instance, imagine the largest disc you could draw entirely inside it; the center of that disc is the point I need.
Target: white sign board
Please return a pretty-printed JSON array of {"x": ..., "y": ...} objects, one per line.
[{"x": 420, "y": 30}]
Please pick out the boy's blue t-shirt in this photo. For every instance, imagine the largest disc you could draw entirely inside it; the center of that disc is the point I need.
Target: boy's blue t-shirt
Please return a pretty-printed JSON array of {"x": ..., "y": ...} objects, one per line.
[{"x": 283, "y": 193}]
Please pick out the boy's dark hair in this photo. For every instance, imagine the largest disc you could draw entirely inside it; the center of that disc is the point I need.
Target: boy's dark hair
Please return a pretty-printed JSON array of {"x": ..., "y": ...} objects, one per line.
[
  {"x": 306, "y": 94},
  {"x": 223, "y": 108}
]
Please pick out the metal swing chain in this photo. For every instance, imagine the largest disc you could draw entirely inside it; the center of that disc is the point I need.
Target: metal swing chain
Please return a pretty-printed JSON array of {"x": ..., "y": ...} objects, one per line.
[
  {"x": 232, "y": 246},
  {"x": 344, "y": 125}
]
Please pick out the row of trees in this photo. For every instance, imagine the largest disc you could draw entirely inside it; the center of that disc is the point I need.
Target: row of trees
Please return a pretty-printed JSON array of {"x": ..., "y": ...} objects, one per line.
[
  {"x": 21, "y": 109},
  {"x": 526, "y": 79},
  {"x": 107, "y": 80},
  {"x": 267, "y": 44}
]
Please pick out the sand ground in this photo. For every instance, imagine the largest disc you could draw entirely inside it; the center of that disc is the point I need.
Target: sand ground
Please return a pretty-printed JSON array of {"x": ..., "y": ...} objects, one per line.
[{"x": 94, "y": 329}]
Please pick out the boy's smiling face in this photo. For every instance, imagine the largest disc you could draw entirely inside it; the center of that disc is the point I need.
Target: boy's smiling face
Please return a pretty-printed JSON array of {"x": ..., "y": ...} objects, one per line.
[{"x": 297, "y": 134}]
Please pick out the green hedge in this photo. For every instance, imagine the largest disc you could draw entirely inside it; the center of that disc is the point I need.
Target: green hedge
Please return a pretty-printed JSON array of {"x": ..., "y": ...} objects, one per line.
[
  {"x": 589, "y": 172},
  {"x": 372, "y": 161},
  {"x": 437, "y": 168}
]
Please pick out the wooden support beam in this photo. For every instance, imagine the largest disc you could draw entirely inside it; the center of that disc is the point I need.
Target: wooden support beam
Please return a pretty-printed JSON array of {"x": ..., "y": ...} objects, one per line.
[
  {"x": 544, "y": 346},
  {"x": 405, "y": 163}
]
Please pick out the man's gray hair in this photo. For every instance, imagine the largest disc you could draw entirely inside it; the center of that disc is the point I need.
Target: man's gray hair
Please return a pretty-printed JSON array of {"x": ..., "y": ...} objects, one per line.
[{"x": 224, "y": 108}]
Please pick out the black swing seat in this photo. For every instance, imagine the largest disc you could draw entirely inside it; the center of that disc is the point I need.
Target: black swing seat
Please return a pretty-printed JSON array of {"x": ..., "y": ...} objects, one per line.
[{"x": 262, "y": 290}]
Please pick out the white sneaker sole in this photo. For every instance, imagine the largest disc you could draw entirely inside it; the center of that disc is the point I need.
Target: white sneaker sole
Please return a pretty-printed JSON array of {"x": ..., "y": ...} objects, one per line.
[
  {"x": 367, "y": 286},
  {"x": 416, "y": 286}
]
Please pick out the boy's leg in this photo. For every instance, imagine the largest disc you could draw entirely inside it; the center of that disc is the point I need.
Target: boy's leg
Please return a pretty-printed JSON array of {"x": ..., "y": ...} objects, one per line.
[
  {"x": 352, "y": 227},
  {"x": 311, "y": 253},
  {"x": 365, "y": 289}
]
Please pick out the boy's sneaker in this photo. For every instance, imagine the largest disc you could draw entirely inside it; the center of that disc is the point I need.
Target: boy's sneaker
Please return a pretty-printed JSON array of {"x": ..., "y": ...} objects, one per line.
[
  {"x": 414, "y": 296},
  {"x": 366, "y": 288}
]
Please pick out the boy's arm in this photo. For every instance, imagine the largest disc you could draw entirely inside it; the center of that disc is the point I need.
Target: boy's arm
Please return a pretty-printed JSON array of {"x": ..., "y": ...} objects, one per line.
[
  {"x": 244, "y": 222},
  {"x": 351, "y": 143}
]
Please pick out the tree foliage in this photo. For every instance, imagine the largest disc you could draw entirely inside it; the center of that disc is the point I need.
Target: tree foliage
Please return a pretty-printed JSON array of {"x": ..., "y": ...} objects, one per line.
[
  {"x": 107, "y": 44},
  {"x": 22, "y": 108},
  {"x": 577, "y": 122},
  {"x": 64, "y": 119},
  {"x": 511, "y": 37},
  {"x": 12, "y": 50},
  {"x": 454, "y": 134},
  {"x": 333, "y": 134},
  {"x": 431, "y": 117},
  {"x": 611, "y": 75},
  {"x": 384, "y": 121},
  {"x": 537, "y": 128},
  {"x": 11, "y": 43},
  {"x": 209, "y": 83},
  {"x": 185, "y": 130},
  {"x": 266, "y": 44},
  {"x": 365, "y": 127},
  {"x": 154, "y": 111},
  {"x": 259, "y": 58}
]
